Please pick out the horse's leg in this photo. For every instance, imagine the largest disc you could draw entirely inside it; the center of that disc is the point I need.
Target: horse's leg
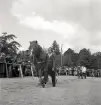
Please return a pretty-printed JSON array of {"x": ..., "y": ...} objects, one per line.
[
  {"x": 40, "y": 76},
  {"x": 44, "y": 80}
]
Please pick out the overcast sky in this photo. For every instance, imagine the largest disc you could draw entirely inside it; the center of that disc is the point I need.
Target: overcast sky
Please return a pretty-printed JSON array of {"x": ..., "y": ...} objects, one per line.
[{"x": 74, "y": 23}]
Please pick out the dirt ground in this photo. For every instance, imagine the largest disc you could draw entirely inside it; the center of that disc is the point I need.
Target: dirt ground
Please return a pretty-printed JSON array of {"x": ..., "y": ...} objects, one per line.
[{"x": 69, "y": 91}]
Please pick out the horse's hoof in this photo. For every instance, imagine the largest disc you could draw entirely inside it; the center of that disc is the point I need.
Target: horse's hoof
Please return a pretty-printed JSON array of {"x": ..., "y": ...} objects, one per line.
[
  {"x": 43, "y": 85},
  {"x": 54, "y": 86}
]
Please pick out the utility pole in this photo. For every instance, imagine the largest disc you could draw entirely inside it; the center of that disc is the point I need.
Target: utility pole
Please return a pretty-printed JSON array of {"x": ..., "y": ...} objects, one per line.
[{"x": 61, "y": 54}]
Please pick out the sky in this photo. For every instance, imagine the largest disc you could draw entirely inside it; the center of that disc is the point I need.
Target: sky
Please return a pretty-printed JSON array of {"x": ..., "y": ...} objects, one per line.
[{"x": 74, "y": 23}]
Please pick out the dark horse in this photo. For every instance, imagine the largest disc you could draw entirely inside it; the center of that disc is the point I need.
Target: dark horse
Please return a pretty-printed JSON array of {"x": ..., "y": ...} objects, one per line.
[{"x": 44, "y": 64}]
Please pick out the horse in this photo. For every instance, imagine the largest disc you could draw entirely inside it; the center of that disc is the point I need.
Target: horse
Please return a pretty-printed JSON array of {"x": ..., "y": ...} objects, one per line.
[
  {"x": 44, "y": 64},
  {"x": 81, "y": 71}
]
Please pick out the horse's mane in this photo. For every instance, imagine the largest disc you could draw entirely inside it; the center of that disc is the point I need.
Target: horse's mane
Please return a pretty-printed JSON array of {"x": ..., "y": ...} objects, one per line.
[{"x": 38, "y": 51}]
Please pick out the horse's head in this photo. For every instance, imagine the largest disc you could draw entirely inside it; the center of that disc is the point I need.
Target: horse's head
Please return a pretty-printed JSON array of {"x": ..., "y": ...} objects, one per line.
[{"x": 34, "y": 47}]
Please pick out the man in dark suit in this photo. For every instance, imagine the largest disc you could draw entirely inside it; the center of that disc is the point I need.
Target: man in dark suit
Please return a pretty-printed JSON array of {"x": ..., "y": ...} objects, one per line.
[{"x": 51, "y": 67}]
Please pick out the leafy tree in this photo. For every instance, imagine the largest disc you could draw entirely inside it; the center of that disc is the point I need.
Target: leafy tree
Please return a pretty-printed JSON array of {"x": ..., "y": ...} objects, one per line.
[
  {"x": 68, "y": 57},
  {"x": 84, "y": 57},
  {"x": 58, "y": 60},
  {"x": 55, "y": 47},
  {"x": 97, "y": 56},
  {"x": 69, "y": 52},
  {"x": 93, "y": 64},
  {"x": 8, "y": 45},
  {"x": 75, "y": 58}
]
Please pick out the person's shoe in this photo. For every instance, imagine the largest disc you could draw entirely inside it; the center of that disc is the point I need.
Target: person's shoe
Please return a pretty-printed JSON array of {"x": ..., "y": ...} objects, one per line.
[{"x": 53, "y": 85}]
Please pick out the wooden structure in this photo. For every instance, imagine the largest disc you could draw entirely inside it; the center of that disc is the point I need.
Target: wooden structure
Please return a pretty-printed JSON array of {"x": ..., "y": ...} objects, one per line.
[{"x": 20, "y": 69}]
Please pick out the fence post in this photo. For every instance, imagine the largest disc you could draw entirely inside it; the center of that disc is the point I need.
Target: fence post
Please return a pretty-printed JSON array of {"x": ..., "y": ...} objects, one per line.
[
  {"x": 21, "y": 71},
  {"x": 6, "y": 70},
  {"x": 32, "y": 71}
]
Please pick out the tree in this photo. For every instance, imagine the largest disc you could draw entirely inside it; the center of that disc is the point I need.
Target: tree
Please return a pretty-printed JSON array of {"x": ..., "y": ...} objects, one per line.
[
  {"x": 69, "y": 52},
  {"x": 97, "y": 57},
  {"x": 55, "y": 47},
  {"x": 8, "y": 45},
  {"x": 84, "y": 57},
  {"x": 68, "y": 57},
  {"x": 75, "y": 58},
  {"x": 93, "y": 62}
]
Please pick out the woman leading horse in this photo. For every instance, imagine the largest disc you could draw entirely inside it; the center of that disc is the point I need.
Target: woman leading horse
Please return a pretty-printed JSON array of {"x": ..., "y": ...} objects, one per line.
[{"x": 44, "y": 63}]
